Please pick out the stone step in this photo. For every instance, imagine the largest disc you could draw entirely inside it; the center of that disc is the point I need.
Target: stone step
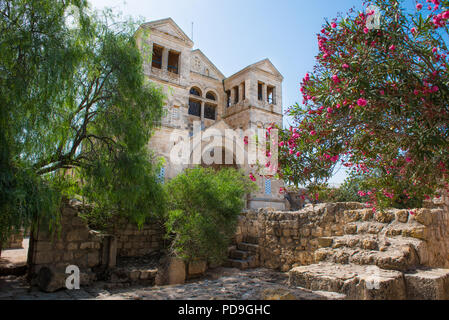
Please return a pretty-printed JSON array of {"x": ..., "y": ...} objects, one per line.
[
  {"x": 367, "y": 215},
  {"x": 427, "y": 284},
  {"x": 396, "y": 257},
  {"x": 354, "y": 281},
  {"x": 237, "y": 263},
  {"x": 364, "y": 227},
  {"x": 243, "y": 246},
  {"x": 242, "y": 264},
  {"x": 372, "y": 283},
  {"x": 251, "y": 240},
  {"x": 239, "y": 254},
  {"x": 368, "y": 242}
]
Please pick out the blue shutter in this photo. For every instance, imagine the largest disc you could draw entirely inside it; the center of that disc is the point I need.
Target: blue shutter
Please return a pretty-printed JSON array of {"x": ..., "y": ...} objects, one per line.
[
  {"x": 267, "y": 186},
  {"x": 161, "y": 175}
]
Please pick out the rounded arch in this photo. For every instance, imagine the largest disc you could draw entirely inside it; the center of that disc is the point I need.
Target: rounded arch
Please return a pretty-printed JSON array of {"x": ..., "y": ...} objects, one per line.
[
  {"x": 210, "y": 95},
  {"x": 200, "y": 147},
  {"x": 213, "y": 92},
  {"x": 196, "y": 91}
]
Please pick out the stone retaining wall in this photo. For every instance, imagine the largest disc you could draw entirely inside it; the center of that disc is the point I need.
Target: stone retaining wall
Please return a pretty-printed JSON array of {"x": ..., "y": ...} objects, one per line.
[{"x": 289, "y": 239}]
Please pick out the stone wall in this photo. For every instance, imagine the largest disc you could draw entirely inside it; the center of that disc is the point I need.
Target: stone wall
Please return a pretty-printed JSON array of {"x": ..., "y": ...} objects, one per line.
[
  {"x": 135, "y": 242},
  {"x": 289, "y": 239},
  {"x": 74, "y": 244},
  {"x": 15, "y": 241}
]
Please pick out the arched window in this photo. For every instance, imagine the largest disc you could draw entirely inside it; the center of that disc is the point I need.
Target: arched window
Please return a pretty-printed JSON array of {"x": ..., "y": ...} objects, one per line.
[
  {"x": 211, "y": 96},
  {"x": 195, "y": 92}
]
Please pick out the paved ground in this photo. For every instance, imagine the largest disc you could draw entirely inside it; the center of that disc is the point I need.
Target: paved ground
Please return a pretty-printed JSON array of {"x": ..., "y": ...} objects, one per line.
[
  {"x": 17, "y": 257},
  {"x": 219, "y": 284}
]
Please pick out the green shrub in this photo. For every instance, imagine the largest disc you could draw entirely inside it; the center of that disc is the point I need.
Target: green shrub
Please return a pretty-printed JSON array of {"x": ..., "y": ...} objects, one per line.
[{"x": 204, "y": 206}]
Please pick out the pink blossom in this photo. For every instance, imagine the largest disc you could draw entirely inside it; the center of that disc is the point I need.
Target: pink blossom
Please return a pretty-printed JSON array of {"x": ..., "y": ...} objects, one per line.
[
  {"x": 333, "y": 25},
  {"x": 252, "y": 177},
  {"x": 362, "y": 102},
  {"x": 392, "y": 47},
  {"x": 419, "y": 6},
  {"x": 345, "y": 66},
  {"x": 313, "y": 132}
]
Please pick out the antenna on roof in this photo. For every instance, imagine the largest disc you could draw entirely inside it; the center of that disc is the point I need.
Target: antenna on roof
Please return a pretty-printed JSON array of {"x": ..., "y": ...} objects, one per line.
[{"x": 192, "y": 30}]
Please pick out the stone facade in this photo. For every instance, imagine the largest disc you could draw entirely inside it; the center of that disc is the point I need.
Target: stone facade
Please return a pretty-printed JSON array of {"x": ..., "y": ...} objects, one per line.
[{"x": 197, "y": 91}]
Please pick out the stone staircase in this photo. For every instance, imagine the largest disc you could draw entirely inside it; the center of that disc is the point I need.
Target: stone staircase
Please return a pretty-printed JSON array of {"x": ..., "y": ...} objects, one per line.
[
  {"x": 243, "y": 255},
  {"x": 390, "y": 255}
]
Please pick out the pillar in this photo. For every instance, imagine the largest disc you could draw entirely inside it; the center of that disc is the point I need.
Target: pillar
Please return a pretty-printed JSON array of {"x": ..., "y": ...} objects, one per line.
[
  {"x": 164, "y": 59},
  {"x": 264, "y": 92}
]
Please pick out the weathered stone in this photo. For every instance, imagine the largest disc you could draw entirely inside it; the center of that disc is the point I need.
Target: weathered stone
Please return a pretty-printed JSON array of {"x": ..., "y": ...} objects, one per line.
[
  {"x": 171, "y": 271},
  {"x": 402, "y": 216},
  {"x": 427, "y": 284},
  {"x": 356, "y": 282},
  {"x": 325, "y": 242},
  {"x": 423, "y": 216},
  {"x": 196, "y": 268}
]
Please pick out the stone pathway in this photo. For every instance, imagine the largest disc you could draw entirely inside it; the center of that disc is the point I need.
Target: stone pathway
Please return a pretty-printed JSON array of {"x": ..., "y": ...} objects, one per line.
[
  {"x": 16, "y": 257},
  {"x": 219, "y": 284}
]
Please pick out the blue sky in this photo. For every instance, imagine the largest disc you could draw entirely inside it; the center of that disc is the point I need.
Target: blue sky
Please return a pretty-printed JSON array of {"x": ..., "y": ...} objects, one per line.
[{"x": 237, "y": 33}]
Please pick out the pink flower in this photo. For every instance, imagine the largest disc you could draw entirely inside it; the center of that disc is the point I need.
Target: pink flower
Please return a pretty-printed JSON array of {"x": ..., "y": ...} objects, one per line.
[
  {"x": 313, "y": 132},
  {"x": 281, "y": 144},
  {"x": 446, "y": 15},
  {"x": 419, "y": 6},
  {"x": 392, "y": 47},
  {"x": 252, "y": 177},
  {"x": 413, "y": 30},
  {"x": 362, "y": 102},
  {"x": 345, "y": 66},
  {"x": 335, "y": 79},
  {"x": 366, "y": 30},
  {"x": 333, "y": 25},
  {"x": 435, "y": 89},
  {"x": 382, "y": 92},
  {"x": 298, "y": 154}
]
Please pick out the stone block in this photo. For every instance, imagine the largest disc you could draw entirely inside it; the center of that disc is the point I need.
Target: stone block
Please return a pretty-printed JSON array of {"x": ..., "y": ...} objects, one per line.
[
  {"x": 43, "y": 257},
  {"x": 402, "y": 216},
  {"x": 93, "y": 259},
  {"x": 325, "y": 242},
  {"x": 171, "y": 271},
  {"x": 197, "y": 268},
  {"x": 427, "y": 284}
]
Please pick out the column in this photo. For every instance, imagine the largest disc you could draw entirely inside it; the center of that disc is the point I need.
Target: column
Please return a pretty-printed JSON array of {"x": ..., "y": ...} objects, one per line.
[
  {"x": 202, "y": 111},
  {"x": 264, "y": 93},
  {"x": 164, "y": 59},
  {"x": 232, "y": 96},
  {"x": 241, "y": 92}
]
